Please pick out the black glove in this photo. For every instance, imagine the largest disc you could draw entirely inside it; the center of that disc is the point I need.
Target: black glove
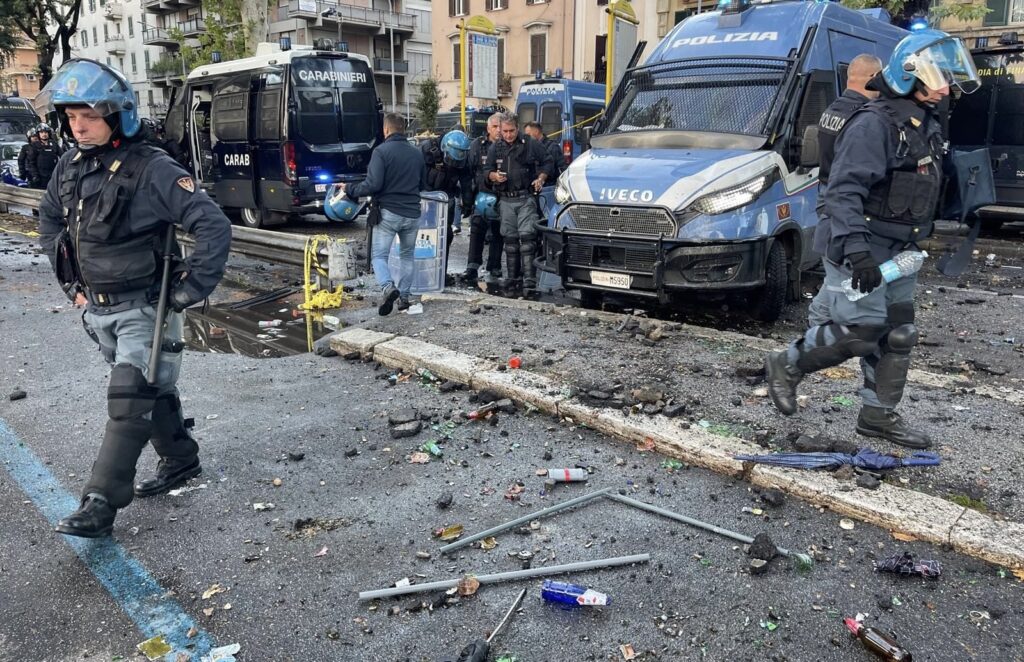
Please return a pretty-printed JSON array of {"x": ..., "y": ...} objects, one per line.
[
  {"x": 182, "y": 296},
  {"x": 866, "y": 274}
]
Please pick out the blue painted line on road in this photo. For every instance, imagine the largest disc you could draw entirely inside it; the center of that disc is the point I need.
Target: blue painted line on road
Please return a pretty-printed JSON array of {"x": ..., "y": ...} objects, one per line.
[{"x": 132, "y": 587}]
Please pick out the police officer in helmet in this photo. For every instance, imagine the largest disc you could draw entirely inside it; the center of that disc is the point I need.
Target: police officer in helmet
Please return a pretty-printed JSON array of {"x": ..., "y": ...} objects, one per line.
[
  {"x": 26, "y": 149},
  {"x": 103, "y": 222},
  {"x": 880, "y": 200},
  {"x": 43, "y": 157},
  {"x": 484, "y": 229},
  {"x": 449, "y": 171}
]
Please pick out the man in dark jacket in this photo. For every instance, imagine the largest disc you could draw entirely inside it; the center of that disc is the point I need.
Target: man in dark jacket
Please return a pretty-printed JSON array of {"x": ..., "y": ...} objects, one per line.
[
  {"x": 484, "y": 230},
  {"x": 26, "y": 150},
  {"x": 517, "y": 167},
  {"x": 448, "y": 171},
  {"x": 535, "y": 131},
  {"x": 880, "y": 200},
  {"x": 103, "y": 222},
  {"x": 395, "y": 176},
  {"x": 42, "y": 160}
]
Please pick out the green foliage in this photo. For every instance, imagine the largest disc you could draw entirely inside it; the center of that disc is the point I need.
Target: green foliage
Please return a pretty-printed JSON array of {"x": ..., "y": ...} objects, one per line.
[
  {"x": 939, "y": 10},
  {"x": 428, "y": 103},
  {"x": 49, "y": 24},
  {"x": 224, "y": 34}
]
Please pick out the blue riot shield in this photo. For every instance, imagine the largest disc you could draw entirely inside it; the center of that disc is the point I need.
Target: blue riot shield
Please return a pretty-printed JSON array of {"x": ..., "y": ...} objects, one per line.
[{"x": 431, "y": 245}]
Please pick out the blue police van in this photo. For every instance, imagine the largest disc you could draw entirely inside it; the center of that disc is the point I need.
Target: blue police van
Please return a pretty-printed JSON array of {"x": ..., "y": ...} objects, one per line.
[
  {"x": 266, "y": 136},
  {"x": 696, "y": 184},
  {"x": 16, "y": 117},
  {"x": 563, "y": 107}
]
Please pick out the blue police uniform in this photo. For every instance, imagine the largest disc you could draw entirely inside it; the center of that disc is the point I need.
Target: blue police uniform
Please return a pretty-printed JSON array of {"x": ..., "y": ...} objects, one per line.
[{"x": 483, "y": 230}]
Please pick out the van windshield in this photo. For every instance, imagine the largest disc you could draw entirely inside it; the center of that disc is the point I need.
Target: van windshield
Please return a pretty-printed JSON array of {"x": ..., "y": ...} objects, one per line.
[
  {"x": 15, "y": 128},
  {"x": 336, "y": 101},
  {"x": 695, "y": 97}
]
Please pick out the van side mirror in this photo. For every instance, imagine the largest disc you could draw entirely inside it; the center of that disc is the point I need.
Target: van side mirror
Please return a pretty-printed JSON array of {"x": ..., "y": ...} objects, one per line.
[
  {"x": 588, "y": 132},
  {"x": 809, "y": 150}
]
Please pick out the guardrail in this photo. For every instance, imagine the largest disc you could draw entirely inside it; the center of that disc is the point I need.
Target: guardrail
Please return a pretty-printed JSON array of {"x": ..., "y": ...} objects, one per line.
[{"x": 278, "y": 247}]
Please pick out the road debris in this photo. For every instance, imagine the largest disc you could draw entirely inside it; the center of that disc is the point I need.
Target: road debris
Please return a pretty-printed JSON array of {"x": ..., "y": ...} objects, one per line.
[
  {"x": 419, "y": 457},
  {"x": 567, "y": 474},
  {"x": 445, "y": 500},
  {"x": 212, "y": 591},
  {"x": 876, "y": 641},
  {"x": 865, "y": 458},
  {"x": 449, "y": 532},
  {"x": 222, "y": 654},
  {"x": 17, "y": 395},
  {"x": 260, "y": 507},
  {"x": 573, "y": 595},
  {"x": 322, "y": 552},
  {"x": 183, "y": 490},
  {"x": 468, "y": 586},
  {"x": 847, "y": 524},
  {"x": 627, "y": 649},
  {"x": 904, "y": 563},
  {"x": 154, "y": 648}
]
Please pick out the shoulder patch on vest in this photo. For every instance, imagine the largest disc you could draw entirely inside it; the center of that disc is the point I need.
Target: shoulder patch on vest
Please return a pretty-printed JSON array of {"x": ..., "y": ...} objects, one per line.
[{"x": 187, "y": 184}]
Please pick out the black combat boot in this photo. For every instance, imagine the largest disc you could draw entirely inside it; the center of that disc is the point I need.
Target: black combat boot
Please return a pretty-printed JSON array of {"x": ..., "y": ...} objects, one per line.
[
  {"x": 470, "y": 276},
  {"x": 178, "y": 451},
  {"x": 93, "y": 519},
  {"x": 782, "y": 381},
  {"x": 883, "y": 423}
]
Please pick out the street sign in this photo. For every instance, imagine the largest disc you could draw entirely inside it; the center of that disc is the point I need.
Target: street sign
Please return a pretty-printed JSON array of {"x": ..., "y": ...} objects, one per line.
[
  {"x": 624, "y": 45},
  {"x": 483, "y": 57}
]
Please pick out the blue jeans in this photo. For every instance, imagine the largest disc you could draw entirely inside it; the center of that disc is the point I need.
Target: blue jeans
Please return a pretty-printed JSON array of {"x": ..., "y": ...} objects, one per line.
[{"x": 392, "y": 224}]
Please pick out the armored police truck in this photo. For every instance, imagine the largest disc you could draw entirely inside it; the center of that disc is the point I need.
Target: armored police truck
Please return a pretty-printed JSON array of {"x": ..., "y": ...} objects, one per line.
[
  {"x": 694, "y": 184},
  {"x": 266, "y": 136},
  {"x": 563, "y": 107},
  {"x": 16, "y": 118}
]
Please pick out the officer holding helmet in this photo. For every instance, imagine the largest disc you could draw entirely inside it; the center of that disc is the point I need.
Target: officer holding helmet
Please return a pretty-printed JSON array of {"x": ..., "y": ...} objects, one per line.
[
  {"x": 448, "y": 171},
  {"x": 881, "y": 199},
  {"x": 103, "y": 222}
]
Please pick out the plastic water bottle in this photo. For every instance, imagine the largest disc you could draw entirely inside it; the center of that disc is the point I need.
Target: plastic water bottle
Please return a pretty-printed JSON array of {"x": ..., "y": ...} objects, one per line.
[
  {"x": 572, "y": 595},
  {"x": 902, "y": 264}
]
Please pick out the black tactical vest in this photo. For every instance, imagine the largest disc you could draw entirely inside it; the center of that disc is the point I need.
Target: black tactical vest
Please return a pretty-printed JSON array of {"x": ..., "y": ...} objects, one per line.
[
  {"x": 440, "y": 175},
  {"x": 112, "y": 258},
  {"x": 46, "y": 157},
  {"x": 831, "y": 123},
  {"x": 902, "y": 206},
  {"x": 514, "y": 161}
]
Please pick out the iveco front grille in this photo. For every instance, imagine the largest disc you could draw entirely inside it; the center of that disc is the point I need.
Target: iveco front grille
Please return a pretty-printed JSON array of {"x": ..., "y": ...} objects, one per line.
[
  {"x": 628, "y": 220},
  {"x": 594, "y": 255}
]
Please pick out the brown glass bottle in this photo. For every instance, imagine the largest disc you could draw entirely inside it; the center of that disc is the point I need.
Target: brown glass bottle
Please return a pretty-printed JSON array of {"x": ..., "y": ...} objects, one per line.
[{"x": 878, "y": 642}]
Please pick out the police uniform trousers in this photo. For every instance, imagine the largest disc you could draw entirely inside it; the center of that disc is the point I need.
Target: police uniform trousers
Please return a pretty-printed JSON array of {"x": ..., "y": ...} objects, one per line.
[
  {"x": 138, "y": 412},
  {"x": 518, "y": 230},
  {"x": 840, "y": 329},
  {"x": 485, "y": 231}
]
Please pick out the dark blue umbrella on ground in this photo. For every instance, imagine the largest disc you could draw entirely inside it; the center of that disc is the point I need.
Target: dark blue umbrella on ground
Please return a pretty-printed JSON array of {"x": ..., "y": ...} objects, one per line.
[{"x": 865, "y": 458}]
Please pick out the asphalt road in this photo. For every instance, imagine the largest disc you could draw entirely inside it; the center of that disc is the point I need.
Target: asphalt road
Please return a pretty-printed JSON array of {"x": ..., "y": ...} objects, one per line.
[{"x": 374, "y": 510}]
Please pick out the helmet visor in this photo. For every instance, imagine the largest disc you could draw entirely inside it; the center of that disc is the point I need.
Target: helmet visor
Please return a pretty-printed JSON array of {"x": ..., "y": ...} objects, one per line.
[
  {"x": 945, "y": 63},
  {"x": 84, "y": 83}
]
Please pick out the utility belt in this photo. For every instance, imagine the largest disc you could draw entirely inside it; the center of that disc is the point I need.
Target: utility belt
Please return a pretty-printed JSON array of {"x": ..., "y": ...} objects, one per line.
[
  {"x": 522, "y": 193},
  {"x": 114, "y": 299}
]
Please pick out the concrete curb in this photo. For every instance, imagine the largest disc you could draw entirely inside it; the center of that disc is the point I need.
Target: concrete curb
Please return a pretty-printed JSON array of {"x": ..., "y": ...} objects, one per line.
[
  {"x": 897, "y": 509},
  {"x": 921, "y": 377}
]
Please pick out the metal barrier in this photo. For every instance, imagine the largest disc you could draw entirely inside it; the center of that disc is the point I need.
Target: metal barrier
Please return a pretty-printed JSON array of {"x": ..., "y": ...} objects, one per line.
[{"x": 277, "y": 247}]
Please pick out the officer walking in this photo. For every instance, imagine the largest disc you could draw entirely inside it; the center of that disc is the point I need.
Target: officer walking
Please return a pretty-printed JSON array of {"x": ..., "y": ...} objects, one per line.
[
  {"x": 43, "y": 157},
  {"x": 481, "y": 225},
  {"x": 882, "y": 192},
  {"x": 26, "y": 149},
  {"x": 535, "y": 131},
  {"x": 517, "y": 167},
  {"x": 395, "y": 176},
  {"x": 103, "y": 222},
  {"x": 449, "y": 171}
]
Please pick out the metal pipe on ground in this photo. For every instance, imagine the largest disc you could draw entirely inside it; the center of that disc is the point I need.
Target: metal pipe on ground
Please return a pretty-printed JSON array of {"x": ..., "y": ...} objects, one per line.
[
  {"x": 802, "y": 560},
  {"x": 550, "y": 510},
  {"x": 507, "y": 576}
]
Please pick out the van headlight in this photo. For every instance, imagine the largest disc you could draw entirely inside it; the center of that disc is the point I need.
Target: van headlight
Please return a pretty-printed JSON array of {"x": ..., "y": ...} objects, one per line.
[
  {"x": 734, "y": 197},
  {"x": 562, "y": 192}
]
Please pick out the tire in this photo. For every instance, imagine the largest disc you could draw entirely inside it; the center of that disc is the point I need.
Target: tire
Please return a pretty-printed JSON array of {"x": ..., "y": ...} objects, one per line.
[
  {"x": 768, "y": 304},
  {"x": 252, "y": 218},
  {"x": 591, "y": 299}
]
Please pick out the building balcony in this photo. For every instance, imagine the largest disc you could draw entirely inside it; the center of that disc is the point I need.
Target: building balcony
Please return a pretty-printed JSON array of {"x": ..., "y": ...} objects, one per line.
[
  {"x": 115, "y": 44},
  {"x": 351, "y": 16},
  {"x": 383, "y": 65},
  {"x": 114, "y": 11},
  {"x": 193, "y": 27},
  {"x": 157, "y": 110},
  {"x": 168, "y": 6},
  {"x": 157, "y": 37},
  {"x": 165, "y": 72}
]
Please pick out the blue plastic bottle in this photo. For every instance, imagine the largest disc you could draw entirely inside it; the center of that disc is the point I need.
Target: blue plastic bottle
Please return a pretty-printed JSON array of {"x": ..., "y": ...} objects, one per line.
[{"x": 572, "y": 595}]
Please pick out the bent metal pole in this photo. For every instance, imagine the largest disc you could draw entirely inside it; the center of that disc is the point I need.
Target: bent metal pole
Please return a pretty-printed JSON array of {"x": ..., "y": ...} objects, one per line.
[
  {"x": 550, "y": 510},
  {"x": 507, "y": 576}
]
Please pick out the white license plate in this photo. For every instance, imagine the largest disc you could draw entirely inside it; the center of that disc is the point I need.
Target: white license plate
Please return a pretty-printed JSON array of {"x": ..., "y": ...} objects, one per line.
[
  {"x": 320, "y": 188},
  {"x": 605, "y": 279}
]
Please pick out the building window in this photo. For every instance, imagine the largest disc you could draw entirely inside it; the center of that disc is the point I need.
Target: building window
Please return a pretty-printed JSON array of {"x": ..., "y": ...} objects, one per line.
[
  {"x": 92, "y": 6},
  {"x": 85, "y": 40},
  {"x": 501, "y": 58},
  {"x": 496, "y": 5},
  {"x": 106, "y": 33},
  {"x": 538, "y": 52},
  {"x": 456, "y": 61},
  {"x": 1004, "y": 12},
  {"x": 145, "y": 58},
  {"x": 981, "y": 42},
  {"x": 458, "y": 7},
  {"x": 135, "y": 66},
  {"x": 131, "y": 26},
  {"x": 95, "y": 38},
  {"x": 537, "y": 2},
  {"x": 149, "y": 96},
  {"x": 108, "y": 62}
]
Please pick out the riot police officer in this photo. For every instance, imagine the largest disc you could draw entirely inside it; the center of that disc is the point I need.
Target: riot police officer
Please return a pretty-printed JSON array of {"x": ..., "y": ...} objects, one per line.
[
  {"x": 481, "y": 227},
  {"x": 517, "y": 167},
  {"x": 449, "y": 171},
  {"x": 103, "y": 222},
  {"x": 43, "y": 157},
  {"x": 26, "y": 149},
  {"x": 536, "y": 131},
  {"x": 881, "y": 197}
]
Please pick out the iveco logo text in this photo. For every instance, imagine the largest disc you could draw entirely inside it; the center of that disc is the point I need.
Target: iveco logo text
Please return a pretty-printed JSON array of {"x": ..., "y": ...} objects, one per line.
[
  {"x": 723, "y": 39},
  {"x": 236, "y": 159},
  {"x": 333, "y": 76},
  {"x": 625, "y": 195}
]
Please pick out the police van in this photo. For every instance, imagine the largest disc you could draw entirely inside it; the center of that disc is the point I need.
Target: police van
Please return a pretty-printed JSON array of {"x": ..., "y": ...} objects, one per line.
[
  {"x": 563, "y": 107},
  {"x": 993, "y": 117},
  {"x": 266, "y": 136},
  {"x": 696, "y": 183},
  {"x": 16, "y": 118}
]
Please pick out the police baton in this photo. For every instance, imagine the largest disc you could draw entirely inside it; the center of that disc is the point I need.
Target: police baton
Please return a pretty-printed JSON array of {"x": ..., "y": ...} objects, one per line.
[{"x": 161, "y": 308}]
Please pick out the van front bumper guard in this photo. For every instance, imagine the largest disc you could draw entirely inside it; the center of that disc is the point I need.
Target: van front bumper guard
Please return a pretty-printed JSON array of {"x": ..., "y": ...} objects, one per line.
[{"x": 657, "y": 266}]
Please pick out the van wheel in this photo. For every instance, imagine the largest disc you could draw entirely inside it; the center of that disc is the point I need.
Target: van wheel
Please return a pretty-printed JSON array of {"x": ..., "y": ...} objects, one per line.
[
  {"x": 252, "y": 218},
  {"x": 767, "y": 305},
  {"x": 591, "y": 299}
]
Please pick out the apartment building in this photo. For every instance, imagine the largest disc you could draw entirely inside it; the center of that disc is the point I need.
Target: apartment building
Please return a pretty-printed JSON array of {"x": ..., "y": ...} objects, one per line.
[
  {"x": 19, "y": 76},
  {"x": 672, "y": 12},
  {"x": 1004, "y": 17},
  {"x": 368, "y": 27},
  {"x": 591, "y": 21}
]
